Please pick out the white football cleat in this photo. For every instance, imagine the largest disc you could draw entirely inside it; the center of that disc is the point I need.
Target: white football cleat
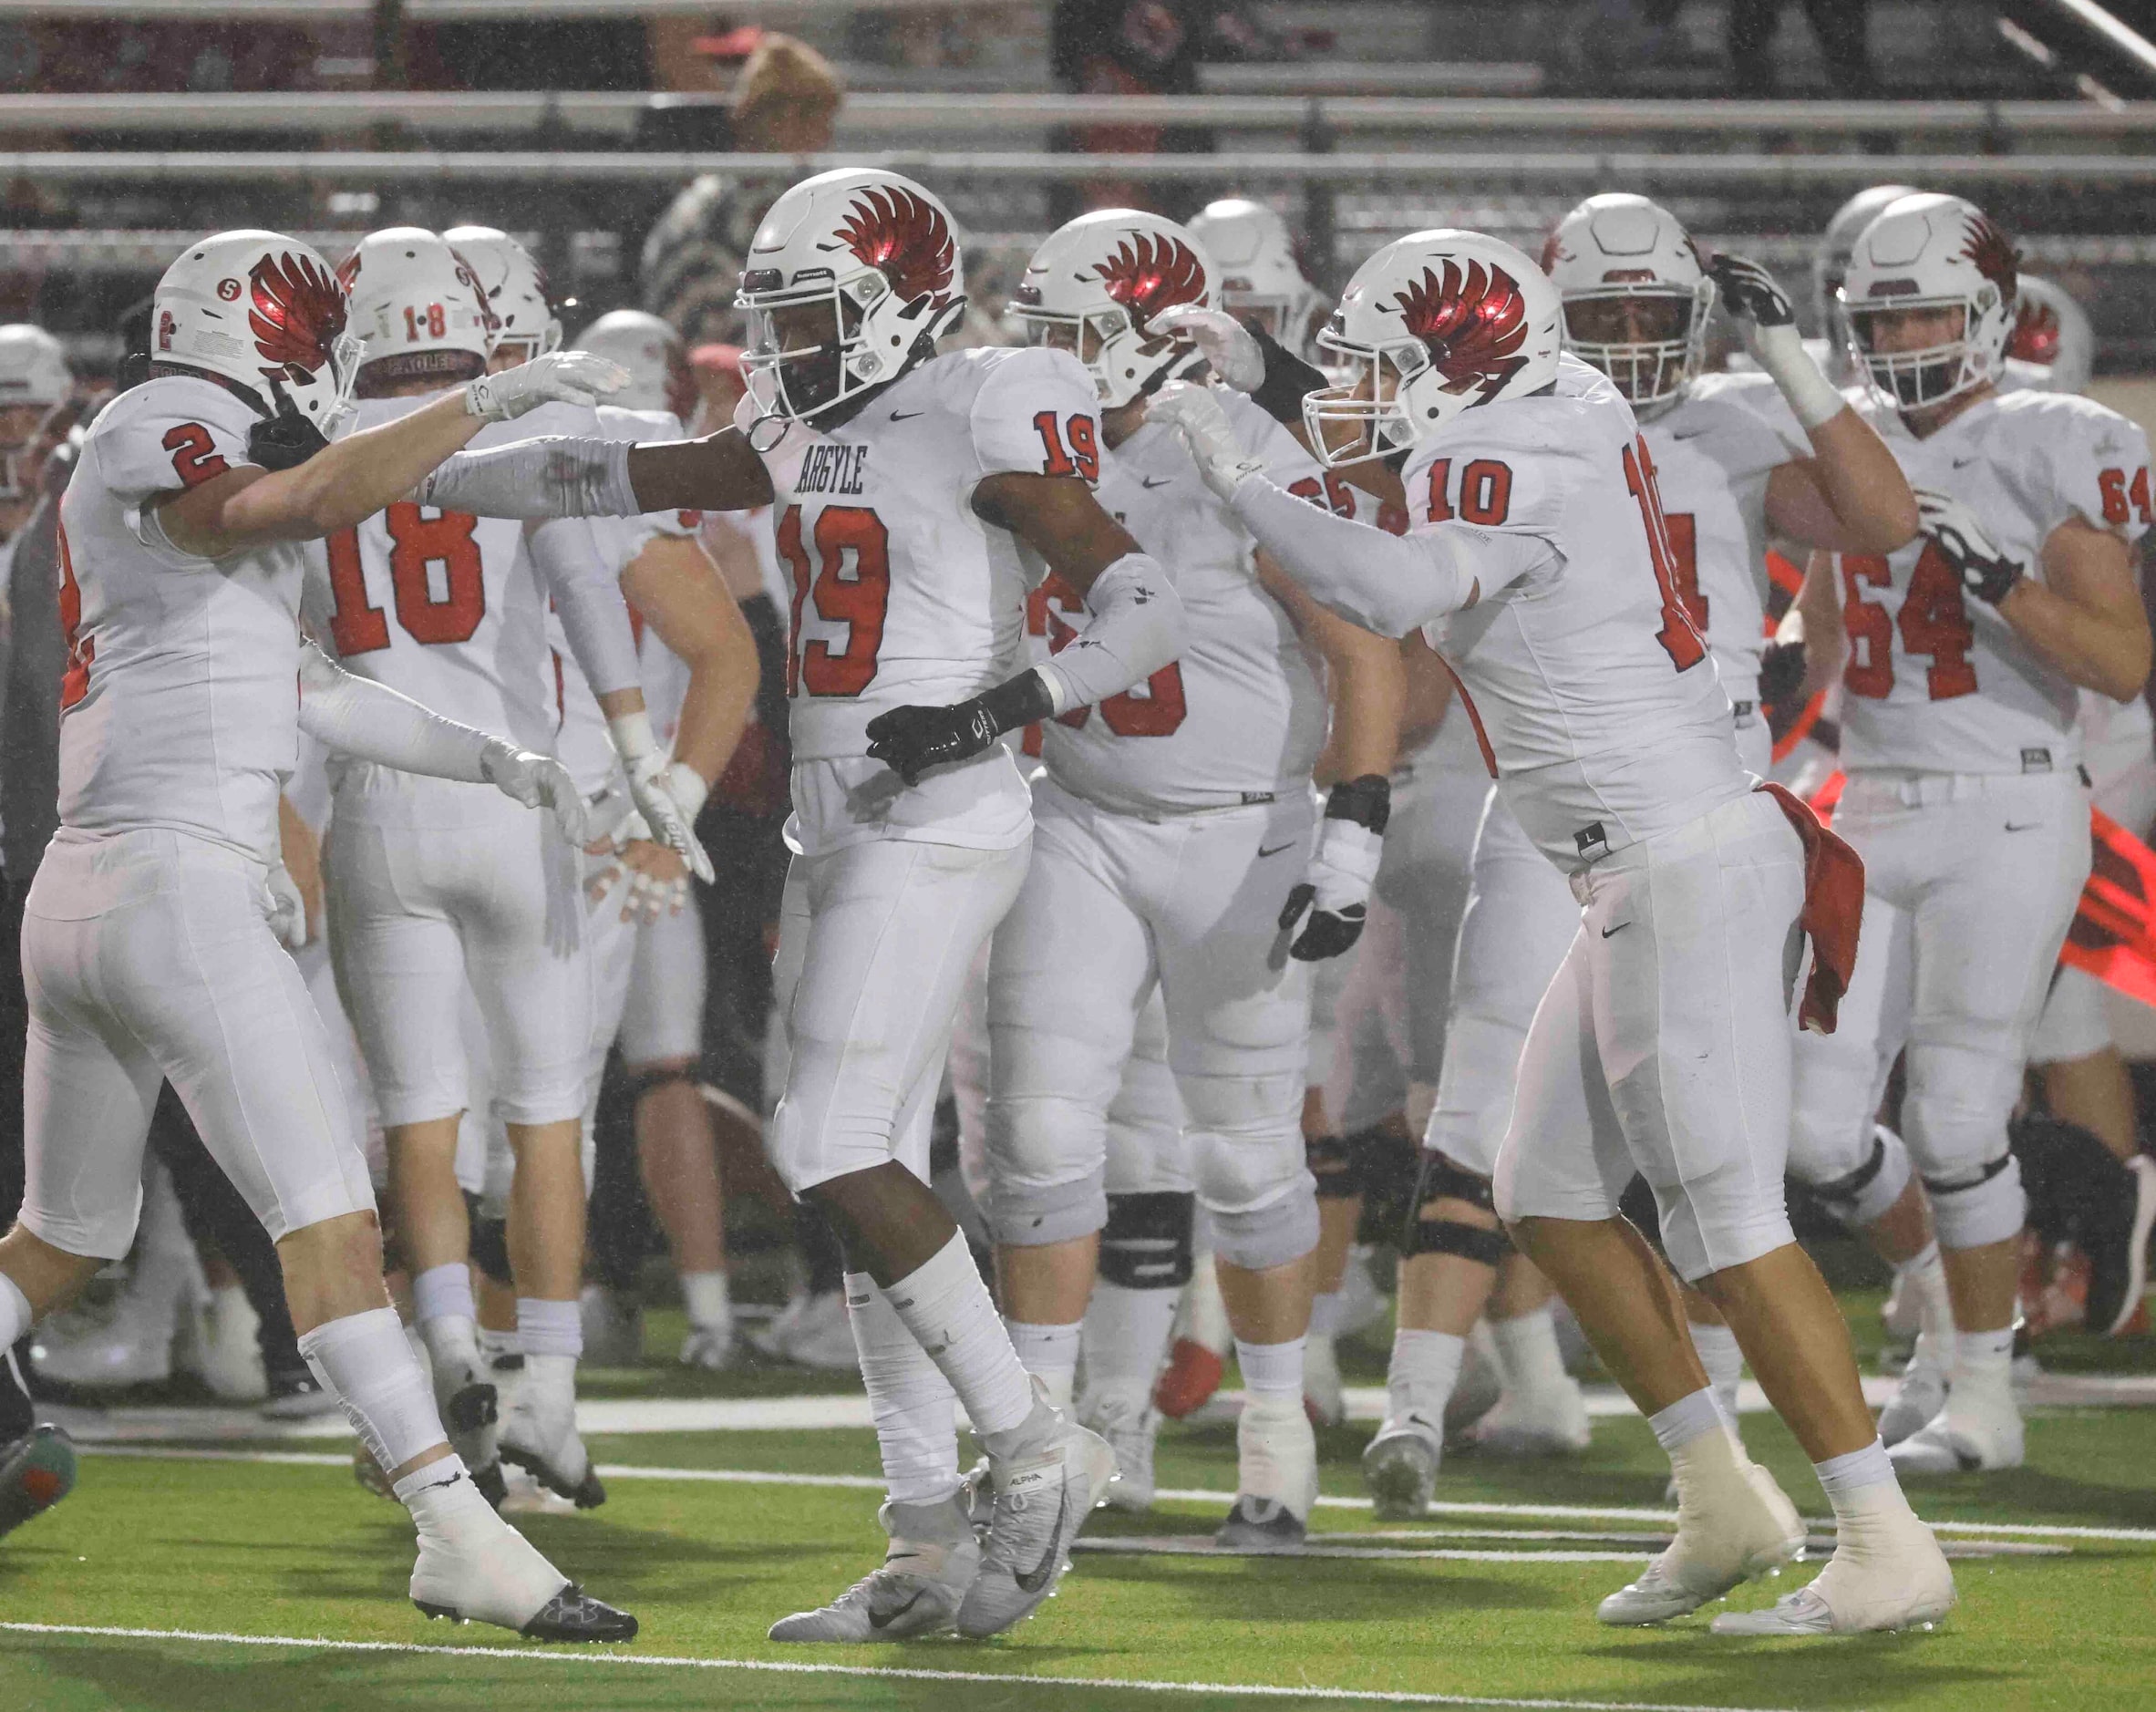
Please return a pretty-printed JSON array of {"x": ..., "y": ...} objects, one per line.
[
  {"x": 612, "y": 1321},
  {"x": 134, "y": 1347},
  {"x": 473, "y": 1567},
  {"x": 1549, "y": 1421},
  {"x": 1131, "y": 1429},
  {"x": 917, "y": 1590},
  {"x": 1480, "y": 1387},
  {"x": 465, "y": 1393},
  {"x": 1744, "y": 1529},
  {"x": 1276, "y": 1478},
  {"x": 1980, "y": 1427},
  {"x": 226, "y": 1354},
  {"x": 539, "y": 1432},
  {"x": 1400, "y": 1467},
  {"x": 811, "y": 1331},
  {"x": 708, "y": 1347},
  {"x": 1893, "y": 1577},
  {"x": 1918, "y": 1397},
  {"x": 1324, "y": 1397},
  {"x": 1042, "y": 1498}
]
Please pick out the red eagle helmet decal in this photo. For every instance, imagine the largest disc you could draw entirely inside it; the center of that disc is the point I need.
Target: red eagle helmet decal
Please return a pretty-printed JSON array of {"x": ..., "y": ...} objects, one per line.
[
  {"x": 1993, "y": 253},
  {"x": 2035, "y": 338},
  {"x": 906, "y": 238},
  {"x": 1148, "y": 274},
  {"x": 1471, "y": 323},
  {"x": 297, "y": 311},
  {"x": 467, "y": 275}
]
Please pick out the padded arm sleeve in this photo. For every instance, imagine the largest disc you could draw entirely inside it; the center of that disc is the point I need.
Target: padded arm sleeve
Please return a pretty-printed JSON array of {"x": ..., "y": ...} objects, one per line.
[
  {"x": 555, "y": 475},
  {"x": 576, "y": 567},
  {"x": 358, "y": 717},
  {"x": 1137, "y": 629},
  {"x": 1390, "y": 583}
]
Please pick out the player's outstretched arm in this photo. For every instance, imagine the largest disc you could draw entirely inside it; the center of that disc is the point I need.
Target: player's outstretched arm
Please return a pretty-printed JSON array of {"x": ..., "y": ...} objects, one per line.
[
  {"x": 358, "y": 717},
  {"x": 1136, "y": 626},
  {"x": 568, "y": 475},
  {"x": 356, "y": 477}
]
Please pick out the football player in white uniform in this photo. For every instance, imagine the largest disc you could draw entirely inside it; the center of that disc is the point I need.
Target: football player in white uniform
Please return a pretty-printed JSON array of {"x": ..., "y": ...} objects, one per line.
[
  {"x": 907, "y": 482},
  {"x": 525, "y": 324},
  {"x": 1966, "y": 653},
  {"x": 1161, "y": 826},
  {"x": 1539, "y": 560},
  {"x": 1260, "y": 281},
  {"x": 430, "y": 890},
  {"x": 148, "y": 948}
]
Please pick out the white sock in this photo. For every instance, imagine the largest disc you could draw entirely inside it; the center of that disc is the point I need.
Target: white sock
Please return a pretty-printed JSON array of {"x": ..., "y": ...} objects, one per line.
[
  {"x": 15, "y": 1317},
  {"x": 946, "y": 1305},
  {"x": 1925, "y": 1275},
  {"x": 443, "y": 1293},
  {"x": 1124, "y": 1338},
  {"x": 1527, "y": 1351},
  {"x": 709, "y": 1298},
  {"x": 365, "y": 1363},
  {"x": 1862, "y": 1484},
  {"x": 1703, "y": 1447},
  {"x": 549, "y": 1328},
  {"x": 1271, "y": 1371},
  {"x": 1723, "y": 1361},
  {"x": 1049, "y": 1352},
  {"x": 913, "y": 1403},
  {"x": 1983, "y": 1361},
  {"x": 1324, "y": 1313},
  {"x": 1425, "y": 1367},
  {"x": 1686, "y": 1419}
]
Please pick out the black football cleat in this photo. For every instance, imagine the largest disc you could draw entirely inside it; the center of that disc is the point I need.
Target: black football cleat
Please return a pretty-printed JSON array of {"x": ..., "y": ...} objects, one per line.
[
  {"x": 493, "y": 1487},
  {"x": 573, "y": 1614},
  {"x": 1261, "y": 1526},
  {"x": 36, "y": 1472}
]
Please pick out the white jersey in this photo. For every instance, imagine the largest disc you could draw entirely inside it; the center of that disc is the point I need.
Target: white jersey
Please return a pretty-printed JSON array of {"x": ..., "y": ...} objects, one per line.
[
  {"x": 1241, "y": 716},
  {"x": 1603, "y": 722},
  {"x": 901, "y": 594},
  {"x": 447, "y": 609},
  {"x": 1714, "y": 450},
  {"x": 1936, "y": 680},
  {"x": 181, "y": 704}
]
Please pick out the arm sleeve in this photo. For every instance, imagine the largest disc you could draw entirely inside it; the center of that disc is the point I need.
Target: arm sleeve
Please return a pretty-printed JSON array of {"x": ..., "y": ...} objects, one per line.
[
  {"x": 1036, "y": 414},
  {"x": 1388, "y": 583},
  {"x": 370, "y": 721},
  {"x": 1137, "y": 628},
  {"x": 577, "y": 568},
  {"x": 551, "y": 476}
]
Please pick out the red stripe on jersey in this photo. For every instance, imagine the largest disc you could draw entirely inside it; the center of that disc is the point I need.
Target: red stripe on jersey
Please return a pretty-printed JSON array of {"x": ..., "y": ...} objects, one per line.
[{"x": 1474, "y": 718}]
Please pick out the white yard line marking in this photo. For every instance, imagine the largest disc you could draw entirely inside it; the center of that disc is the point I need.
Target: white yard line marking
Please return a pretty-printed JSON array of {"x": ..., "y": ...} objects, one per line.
[
  {"x": 1317, "y": 1545},
  {"x": 1181, "y": 1495},
  {"x": 1265, "y": 1691}
]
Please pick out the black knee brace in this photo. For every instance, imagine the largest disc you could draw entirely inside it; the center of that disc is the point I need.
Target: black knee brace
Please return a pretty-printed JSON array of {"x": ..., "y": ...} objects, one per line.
[
  {"x": 1146, "y": 1244},
  {"x": 1333, "y": 1161},
  {"x": 1387, "y": 1163},
  {"x": 1843, "y": 1191},
  {"x": 489, "y": 1248},
  {"x": 1440, "y": 1179}
]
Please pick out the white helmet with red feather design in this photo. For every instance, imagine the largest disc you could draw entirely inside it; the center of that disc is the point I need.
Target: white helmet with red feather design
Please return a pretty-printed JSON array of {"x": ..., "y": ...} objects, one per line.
[
  {"x": 1434, "y": 323},
  {"x": 263, "y": 311},
  {"x": 1094, "y": 286},
  {"x": 851, "y": 280},
  {"x": 1930, "y": 251}
]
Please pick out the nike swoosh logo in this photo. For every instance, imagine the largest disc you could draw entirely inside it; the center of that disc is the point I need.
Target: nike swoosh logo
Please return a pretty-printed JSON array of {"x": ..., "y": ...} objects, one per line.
[
  {"x": 1620, "y": 927},
  {"x": 885, "y": 1619},
  {"x": 2027, "y": 826},
  {"x": 1694, "y": 435},
  {"x": 1963, "y": 463},
  {"x": 1033, "y": 1581},
  {"x": 906, "y": 415},
  {"x": 1263, "y": 853},
  {"x": 1148, "y": 483}
]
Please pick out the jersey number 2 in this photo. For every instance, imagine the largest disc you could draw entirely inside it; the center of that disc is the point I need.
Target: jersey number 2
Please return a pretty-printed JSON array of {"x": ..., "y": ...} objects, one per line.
[
  {"x": 850, "y": 584},
  {"x": 417, "y": 543}
]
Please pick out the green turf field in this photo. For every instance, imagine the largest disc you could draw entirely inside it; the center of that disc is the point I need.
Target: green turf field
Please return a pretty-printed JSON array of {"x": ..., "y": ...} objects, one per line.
[{"x": 295, "y": 1552}]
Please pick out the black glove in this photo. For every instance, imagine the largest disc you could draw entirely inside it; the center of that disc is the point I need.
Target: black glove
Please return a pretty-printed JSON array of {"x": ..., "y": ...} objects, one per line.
[
  {"x": 1336, "y": 887},
  {"x": 1781, "y": 673},
  {"x": 1986, "y": 573},
  {"x": 286, "y": 441},
  {"x": 910, "y": 740},
  {"x": 1750, "y": 291}
]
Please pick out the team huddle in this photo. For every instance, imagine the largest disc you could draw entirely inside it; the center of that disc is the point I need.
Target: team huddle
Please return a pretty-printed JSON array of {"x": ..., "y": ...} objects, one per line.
[{"x": 1218, "y": 729}]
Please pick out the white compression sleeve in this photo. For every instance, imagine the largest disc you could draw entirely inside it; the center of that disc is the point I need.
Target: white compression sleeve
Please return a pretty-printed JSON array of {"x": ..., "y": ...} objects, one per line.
[
  {"x": 358, "y": 717},
  {"x": 1137, "y": 629},
  {"x": 575, "y": 567},
  {"x": 556, "y": 475},
  {"x": 1385, "y": 583}
]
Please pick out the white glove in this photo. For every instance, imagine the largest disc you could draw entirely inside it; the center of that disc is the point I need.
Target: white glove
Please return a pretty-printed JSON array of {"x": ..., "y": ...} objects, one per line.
[
  {"x": 564, "y": 377},
  {"x": 667, "y": 795},
  {"x": 1197, "y": 416},
  {"x": 288, "y": 909},
  {"x": 538, "y": 781},
  {"x": 1336, "y": 889},
  {"x": 1224, "y": 341}
]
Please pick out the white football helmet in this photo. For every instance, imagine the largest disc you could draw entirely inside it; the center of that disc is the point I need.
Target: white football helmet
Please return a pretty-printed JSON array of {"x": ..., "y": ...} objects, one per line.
[
  {"x": 1636, "y": 295},
  {"x": 1095, "y": 285},
  {"x": 1830, "y": 262},
  {"x": 1257, "y": 274},
  {"x": 263, "y": 311},
  {"x": 1434, "y": 323},
  {"x": 2051, "y": 332},
  {"x": 34, "y": 387},
  {"x": 1931, "y": 252},
  {"x": 416, "y": 308},
  {"x": 514, "y": 287},
  {"x": 660, "y": 377},
  {"x": 851, "y": 280}
]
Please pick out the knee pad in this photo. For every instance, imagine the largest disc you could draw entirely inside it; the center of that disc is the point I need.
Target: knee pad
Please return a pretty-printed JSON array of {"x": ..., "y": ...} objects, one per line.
[
  {"x": 1034, "y": 1215},
  {"x": 1975, "y": 1210},
  {"x": 1387, "y": 1164},
  {"x": 1440, "y": 1179},
  {"x": 1866, "y": 1193},
  {"x": 1047, "y": 1171},
  {"x": 1147, "y": 1242},
  {"x": 1269, "y": 1236},
  {"x": 1246, "y": 1157},
  {"x": 1334, "y": 1163},
  {"x": 489, "y": 1249}
]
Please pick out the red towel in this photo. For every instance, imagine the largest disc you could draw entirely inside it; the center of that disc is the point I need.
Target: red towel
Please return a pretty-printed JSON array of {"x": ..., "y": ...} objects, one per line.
[{"x": 1833, "y": 909}]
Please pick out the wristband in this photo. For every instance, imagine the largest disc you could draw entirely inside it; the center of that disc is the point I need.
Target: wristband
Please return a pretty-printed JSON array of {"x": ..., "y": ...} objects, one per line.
[
  {"x": 633, "y": 739},
  {"x": 1811, "y": 395},
  {"x": 1018, "y": 701},
  {"x": 1366, "y": 801},
  {"x": 1287, "y": 378}
]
